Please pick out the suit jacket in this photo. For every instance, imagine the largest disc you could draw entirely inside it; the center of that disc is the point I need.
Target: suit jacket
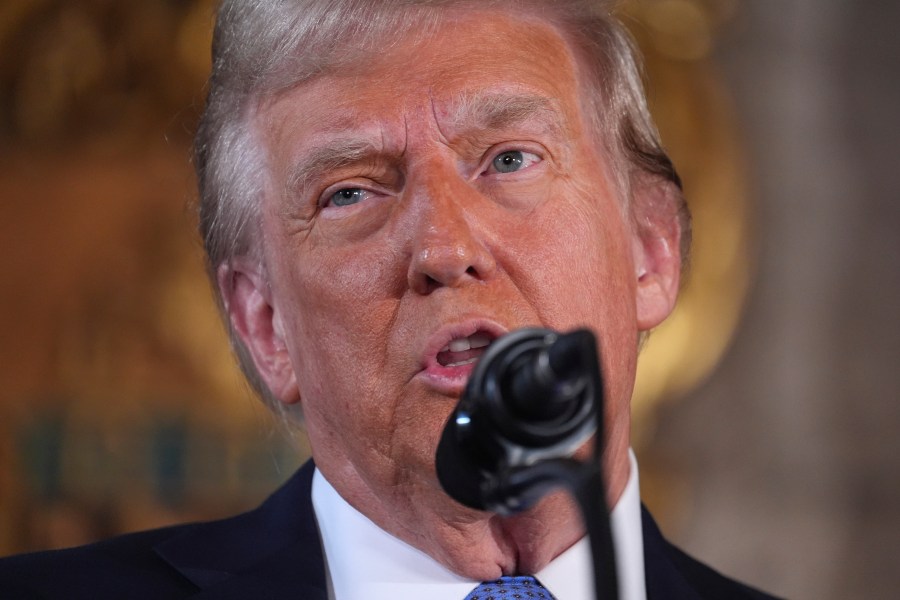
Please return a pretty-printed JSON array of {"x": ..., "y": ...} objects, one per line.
[{"x": 271, "y": 552}]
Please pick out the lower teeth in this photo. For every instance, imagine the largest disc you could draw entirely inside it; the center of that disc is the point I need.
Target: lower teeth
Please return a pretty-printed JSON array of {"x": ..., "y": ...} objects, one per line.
[{"x": 462, "y": 363}]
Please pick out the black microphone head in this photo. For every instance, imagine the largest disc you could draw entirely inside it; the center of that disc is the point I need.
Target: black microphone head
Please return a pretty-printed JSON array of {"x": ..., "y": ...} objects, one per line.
[
  {"x": 530, "y": 397},
  {"x": 459, "y": 474},
  {"x": 545, "y": 385}
]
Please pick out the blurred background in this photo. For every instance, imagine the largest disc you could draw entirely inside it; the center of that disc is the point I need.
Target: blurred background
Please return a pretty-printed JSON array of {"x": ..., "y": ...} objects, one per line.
[{"x": 766, "y": 414}]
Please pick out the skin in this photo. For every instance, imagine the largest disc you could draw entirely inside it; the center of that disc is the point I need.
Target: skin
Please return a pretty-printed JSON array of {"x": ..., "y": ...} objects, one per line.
[{"x": 350, "y": 304}]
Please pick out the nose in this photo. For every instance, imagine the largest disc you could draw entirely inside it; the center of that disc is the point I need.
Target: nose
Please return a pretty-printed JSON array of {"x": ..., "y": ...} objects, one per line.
[{"x": 448, "y": 249}]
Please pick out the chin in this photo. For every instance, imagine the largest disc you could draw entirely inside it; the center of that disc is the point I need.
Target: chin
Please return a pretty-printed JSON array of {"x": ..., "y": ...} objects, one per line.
[{"x": 544, "y": 532}]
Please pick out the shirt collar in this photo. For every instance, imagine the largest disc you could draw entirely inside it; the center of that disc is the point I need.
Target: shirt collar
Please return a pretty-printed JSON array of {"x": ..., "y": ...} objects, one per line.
[{"x": 365, "y": 561}]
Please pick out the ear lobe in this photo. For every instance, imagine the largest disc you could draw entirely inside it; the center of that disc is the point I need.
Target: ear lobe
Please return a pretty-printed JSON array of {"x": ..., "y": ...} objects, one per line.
[
  {"x": 258, "y": 324},
  {"x": 657, "y": 253}
]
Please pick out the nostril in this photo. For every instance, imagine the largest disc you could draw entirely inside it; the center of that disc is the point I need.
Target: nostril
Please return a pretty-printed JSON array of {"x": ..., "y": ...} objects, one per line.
[{"x": 431, "y": 283}]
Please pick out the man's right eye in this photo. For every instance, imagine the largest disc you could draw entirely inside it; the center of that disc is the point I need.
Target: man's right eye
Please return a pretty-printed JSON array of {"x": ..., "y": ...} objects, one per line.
[{"x": 346, "y": 197}]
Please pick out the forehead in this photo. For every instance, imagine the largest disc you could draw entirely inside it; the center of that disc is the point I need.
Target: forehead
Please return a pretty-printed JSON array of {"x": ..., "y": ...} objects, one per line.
[{"x": 458, "y": 70}]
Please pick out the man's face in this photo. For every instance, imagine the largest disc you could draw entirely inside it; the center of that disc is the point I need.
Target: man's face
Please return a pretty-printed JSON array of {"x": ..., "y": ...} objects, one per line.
[{"x": 421, "y": 205}]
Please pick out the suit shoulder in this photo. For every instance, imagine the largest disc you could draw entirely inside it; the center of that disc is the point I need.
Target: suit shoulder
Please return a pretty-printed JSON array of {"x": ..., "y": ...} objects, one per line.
[
  {"x": 674, "y": 575},
  {"x": 124, "y": 566},
  {"x": 710, "y": 582},
  {"x": 172, "y": 562}
]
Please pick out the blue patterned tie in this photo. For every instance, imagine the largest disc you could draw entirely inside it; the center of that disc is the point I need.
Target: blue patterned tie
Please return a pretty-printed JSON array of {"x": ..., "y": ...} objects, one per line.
[{"x": 511, "y": 588}]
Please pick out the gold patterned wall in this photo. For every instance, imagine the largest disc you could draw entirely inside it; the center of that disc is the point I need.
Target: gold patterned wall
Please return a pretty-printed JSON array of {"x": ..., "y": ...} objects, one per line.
[{"x": 121, "y": 407}]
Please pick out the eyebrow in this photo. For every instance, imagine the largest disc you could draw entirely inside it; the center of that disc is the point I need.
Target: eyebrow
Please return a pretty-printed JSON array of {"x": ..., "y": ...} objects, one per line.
[
  {"x": 491, "y": 110},
  {"x": 337, "y": 153},
  {"x": 478, "y": 111}
]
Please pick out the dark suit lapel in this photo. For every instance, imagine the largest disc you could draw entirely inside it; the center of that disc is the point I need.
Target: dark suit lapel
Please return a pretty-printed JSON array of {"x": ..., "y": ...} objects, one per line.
[
  {"x": 664, "y": 580},
  {"x": 673, "y": 575},
  {"x": 288, "y": 574},
  {"x": 271, "y": 552}
]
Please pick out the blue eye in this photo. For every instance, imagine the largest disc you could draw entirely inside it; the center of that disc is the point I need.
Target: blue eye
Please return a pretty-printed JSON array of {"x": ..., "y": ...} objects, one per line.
[
  {"x": 508, "y": 162},
  {"x": 346, "y": 197}
]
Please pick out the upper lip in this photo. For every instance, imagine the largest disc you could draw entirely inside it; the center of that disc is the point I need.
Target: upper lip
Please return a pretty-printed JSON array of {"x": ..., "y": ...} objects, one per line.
[{"x": 460, "y": 329}]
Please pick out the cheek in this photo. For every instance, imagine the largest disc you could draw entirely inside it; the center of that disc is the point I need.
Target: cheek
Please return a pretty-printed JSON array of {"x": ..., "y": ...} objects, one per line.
[
  {"x": 577, "y": 265},
  {"x": 340, "y": 298},
  {"x": 338, "y": 308},
  {"x": 581, "y": 275}
]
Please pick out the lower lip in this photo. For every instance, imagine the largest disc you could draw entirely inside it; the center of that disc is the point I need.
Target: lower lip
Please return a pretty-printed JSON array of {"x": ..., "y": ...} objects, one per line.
[{"x": 446, "y": 380}]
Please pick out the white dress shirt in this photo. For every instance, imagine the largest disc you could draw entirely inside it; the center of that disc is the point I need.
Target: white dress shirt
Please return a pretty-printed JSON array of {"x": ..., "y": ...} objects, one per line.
[{"x": 365, "y": 562}]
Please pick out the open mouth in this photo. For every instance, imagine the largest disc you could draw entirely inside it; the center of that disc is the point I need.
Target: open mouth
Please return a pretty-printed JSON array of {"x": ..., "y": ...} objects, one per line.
[{"x": 464, "y": 351}]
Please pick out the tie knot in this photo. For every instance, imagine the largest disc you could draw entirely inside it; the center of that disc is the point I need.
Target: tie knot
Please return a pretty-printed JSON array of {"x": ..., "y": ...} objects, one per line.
[{"x": 524, "y": 587}]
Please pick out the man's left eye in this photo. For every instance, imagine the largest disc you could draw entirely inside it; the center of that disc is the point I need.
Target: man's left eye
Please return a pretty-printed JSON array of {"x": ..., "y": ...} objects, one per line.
[
  {"x": 513, "y": 160},
  {"x": 346, "y": 197}
]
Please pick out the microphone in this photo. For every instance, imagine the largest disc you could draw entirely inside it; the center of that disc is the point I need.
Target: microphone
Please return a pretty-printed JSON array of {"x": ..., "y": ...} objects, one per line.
[{"x": 530, "y": 398}]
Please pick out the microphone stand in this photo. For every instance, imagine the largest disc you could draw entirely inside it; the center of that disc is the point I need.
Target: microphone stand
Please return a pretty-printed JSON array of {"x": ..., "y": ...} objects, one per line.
[
  {"x": 586, "y": 485},
  {"x": 492, "y": 458}
]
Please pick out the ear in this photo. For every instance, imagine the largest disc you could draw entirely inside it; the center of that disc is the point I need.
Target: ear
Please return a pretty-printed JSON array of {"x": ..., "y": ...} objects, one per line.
[
  {"x": 257, "y": 322},
  {"x": 657, "y": 253}
]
